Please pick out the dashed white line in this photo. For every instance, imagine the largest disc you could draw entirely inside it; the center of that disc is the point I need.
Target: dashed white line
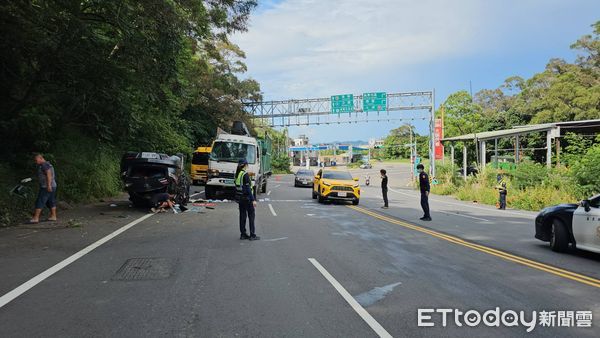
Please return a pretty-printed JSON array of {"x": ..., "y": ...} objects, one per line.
[
  {"x": 269, "y": 193},
  {"x": 21, "y": 289},
  {"x": 272, "y": 210},
  {"x": 379, "y": 330},
  {"x": 274, "y": 239},
  {"x": 198, "y": 193},
  {"x": 467, "y": 216}
]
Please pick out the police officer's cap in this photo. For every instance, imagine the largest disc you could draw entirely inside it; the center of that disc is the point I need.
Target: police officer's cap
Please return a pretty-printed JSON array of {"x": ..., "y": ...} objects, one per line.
[
  {"x": 420, "y": 166},
  {"x": 242, "y": 161}
]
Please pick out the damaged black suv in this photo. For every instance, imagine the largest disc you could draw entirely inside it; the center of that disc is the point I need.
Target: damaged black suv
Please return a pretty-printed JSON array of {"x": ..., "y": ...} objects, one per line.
[{"x": 145, "y": 174}]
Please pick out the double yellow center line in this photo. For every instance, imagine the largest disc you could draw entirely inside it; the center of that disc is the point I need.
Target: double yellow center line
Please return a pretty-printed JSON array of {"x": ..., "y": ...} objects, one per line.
[{"x": 498, "y": 253}]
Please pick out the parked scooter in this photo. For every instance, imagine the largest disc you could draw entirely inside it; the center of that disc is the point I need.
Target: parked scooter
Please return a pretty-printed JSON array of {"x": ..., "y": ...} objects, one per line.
[
  {"x": 21, "y": 190},
  {"x": 367, "y": 180}
]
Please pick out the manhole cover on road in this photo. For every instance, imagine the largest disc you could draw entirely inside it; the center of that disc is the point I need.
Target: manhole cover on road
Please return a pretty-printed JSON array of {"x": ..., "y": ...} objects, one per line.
[{"x": 145, "y": 269}]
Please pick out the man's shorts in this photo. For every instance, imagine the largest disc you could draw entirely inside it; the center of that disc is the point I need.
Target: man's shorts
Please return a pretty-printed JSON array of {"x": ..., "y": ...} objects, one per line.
[{"x": 46, "y": 198}]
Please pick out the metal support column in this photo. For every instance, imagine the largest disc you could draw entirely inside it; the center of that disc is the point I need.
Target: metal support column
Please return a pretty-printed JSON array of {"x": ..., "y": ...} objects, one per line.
[
  {"x": 496, "y": 152},
  {"x": 483, "y": 159},
  {"x": 431, "y": 135},
  {"x": 465, "y": 161},
  {"x": 452, "y": 157},
  {"x": 548, "y": 149},
  {"x": 517, "y": 150}
]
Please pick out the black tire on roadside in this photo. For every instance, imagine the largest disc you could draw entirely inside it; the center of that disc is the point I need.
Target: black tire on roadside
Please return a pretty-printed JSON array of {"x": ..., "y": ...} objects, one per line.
[
  {"x": 264, "y": 187},
  {"x": 209, "y": 192},
  {"x": 559, "y": 236}
]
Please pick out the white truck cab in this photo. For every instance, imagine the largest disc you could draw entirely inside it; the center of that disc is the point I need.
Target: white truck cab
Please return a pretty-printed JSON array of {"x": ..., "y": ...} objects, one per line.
[{"x": 227, "y": 150}]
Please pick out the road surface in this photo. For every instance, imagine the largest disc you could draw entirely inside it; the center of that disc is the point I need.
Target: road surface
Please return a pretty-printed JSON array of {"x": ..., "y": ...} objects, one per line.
[{"x": 320, "y": 270}]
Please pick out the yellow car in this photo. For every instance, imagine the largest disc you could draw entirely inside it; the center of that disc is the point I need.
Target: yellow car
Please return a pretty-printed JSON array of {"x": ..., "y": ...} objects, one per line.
[{"x": 330, "y": 184}]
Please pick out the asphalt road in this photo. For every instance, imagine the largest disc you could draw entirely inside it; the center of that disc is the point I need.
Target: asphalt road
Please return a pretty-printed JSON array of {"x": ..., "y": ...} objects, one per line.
[{"x": 192, "y": 276}]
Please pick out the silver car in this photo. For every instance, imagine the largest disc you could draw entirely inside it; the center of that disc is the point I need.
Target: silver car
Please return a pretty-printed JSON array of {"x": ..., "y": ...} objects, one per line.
[{"x": 304, "y": 178}]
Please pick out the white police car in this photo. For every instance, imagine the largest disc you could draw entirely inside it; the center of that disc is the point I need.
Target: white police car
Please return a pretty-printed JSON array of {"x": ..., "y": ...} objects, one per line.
[{"x": 575, "y": 224}]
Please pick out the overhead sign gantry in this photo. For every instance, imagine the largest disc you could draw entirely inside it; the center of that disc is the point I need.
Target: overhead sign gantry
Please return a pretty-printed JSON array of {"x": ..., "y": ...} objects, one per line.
[{"x": 349, "y": 108}]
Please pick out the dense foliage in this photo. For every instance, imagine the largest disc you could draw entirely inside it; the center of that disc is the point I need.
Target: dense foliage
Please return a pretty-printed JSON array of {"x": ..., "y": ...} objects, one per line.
[
  {"x": 84, "y": 80},
  {"x": 562, "y": 92}
]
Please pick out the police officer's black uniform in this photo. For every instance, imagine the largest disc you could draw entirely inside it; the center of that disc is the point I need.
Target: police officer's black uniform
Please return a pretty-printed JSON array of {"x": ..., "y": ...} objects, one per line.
[
  {"x": 384, "y": 190},
  {"x": 425, "y": 188},
  {"x": 245, "y": 198}
]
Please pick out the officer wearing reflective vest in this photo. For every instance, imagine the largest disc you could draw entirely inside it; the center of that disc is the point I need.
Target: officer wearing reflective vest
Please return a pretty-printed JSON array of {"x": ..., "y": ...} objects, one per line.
[
  {"x": 502, "y": 191},
  {"x": 246, "y": 200}
]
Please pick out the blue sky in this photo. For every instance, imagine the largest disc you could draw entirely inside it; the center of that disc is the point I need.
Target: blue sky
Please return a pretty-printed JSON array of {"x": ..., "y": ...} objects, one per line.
[{"x": 317, "y": 48}]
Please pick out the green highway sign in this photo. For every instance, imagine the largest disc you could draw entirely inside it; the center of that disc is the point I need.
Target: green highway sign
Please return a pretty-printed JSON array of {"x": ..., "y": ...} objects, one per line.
[
  {"x": 342, "y": 103},
  {"x": 374, "y": 101}
]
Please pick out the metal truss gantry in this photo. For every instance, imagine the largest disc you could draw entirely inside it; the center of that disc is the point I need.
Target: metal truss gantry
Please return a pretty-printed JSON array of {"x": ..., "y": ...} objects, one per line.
[{"x": 318, "y": 111}]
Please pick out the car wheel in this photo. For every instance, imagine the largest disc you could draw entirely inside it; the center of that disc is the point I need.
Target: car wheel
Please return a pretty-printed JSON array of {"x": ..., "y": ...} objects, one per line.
[
  {"x": 355, "y": 202},
  {"x": 559, "y": 236},
  {"x": 209, "y": 192},
  {"x": 314, "y": 195},
  {"x": 321, "y": 198}
]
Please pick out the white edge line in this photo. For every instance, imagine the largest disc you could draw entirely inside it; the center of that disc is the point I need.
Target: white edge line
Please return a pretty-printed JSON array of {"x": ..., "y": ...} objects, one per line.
[
  {"x": 467, "y": 205},
  {"x": 10, "y": 296},
  {"x": 379, "y": 330},
  {"x": 272, "y": 210},
  {"x": 198, "y": 193}
]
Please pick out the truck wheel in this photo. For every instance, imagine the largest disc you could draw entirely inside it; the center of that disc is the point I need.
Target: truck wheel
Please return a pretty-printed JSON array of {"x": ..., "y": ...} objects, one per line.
[
  {"x": 559, "y": 237},
  {"x": 264, "y": 187},
  {"x": 210, "y": 192}
]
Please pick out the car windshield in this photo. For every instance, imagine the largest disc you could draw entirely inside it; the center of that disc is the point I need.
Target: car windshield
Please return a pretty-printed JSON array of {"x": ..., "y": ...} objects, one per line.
[
  {"x": 305, "y": 173},
  {"x": 233, "y": 152},
  {"x": 337, "y": 175},
  {"x": 200, "y": 158}
]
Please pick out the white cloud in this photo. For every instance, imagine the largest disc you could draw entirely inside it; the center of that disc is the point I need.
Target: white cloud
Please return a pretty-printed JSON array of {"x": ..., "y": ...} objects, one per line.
[{"x": 307, "y": 47}]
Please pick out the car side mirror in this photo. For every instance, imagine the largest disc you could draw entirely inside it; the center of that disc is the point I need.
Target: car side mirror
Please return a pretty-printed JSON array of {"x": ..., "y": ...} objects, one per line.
[
  {"x": 355, "y": 179},
  {"x": 585, "y": 204},
  {"x": 316, "y": 177}
]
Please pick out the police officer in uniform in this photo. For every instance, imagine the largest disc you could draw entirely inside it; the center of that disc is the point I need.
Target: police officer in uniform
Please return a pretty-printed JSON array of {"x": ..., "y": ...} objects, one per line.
[
  {"x": 424, "y": 187},
  {"x": 247, "y": 202},
  {"x": 501, "y": 186},
  {"x": 384, "y": 188}
]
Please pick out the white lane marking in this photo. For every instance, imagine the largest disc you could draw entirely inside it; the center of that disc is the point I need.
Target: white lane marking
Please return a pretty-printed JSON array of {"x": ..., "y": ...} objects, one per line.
[
  {"x": 272, "y": 210},
  {"x": 198, "y": 193},
  {"x": 466, "y": 205},
  {"x": 21, "y": 289},
  {"x": 379, "y": 330},
  {"x": 269, "y": 193},
  {"x": 274, "y": 239},
  {"x": 277, "y": 186},
  {"x": 467, "y": 216}
]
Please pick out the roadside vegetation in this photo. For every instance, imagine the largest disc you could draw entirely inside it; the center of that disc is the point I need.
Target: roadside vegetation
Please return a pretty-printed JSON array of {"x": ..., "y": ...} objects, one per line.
[
  {"x": 562, "y": 92},
  {"x": 84, "y": 81}
]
